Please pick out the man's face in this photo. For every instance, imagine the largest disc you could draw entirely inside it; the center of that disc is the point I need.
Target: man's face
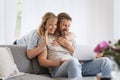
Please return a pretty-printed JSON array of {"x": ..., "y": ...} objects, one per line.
[{"x": 65, "y": 25}]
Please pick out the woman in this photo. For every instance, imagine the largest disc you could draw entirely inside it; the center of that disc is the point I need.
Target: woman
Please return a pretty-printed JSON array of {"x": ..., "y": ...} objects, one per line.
[{"x": 46, "y": 28}]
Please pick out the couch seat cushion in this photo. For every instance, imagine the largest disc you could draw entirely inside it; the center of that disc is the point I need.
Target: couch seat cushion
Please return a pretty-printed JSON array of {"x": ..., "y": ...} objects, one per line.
[
  {"x": 46, "y": 77},
  {"x": 28, "y": 76}
]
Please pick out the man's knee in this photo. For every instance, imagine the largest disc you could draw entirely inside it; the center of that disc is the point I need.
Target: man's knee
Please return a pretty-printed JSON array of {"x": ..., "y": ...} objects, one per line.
[
  {"x": 74, "y": 61},
  {"x": 107, "y": 61}
]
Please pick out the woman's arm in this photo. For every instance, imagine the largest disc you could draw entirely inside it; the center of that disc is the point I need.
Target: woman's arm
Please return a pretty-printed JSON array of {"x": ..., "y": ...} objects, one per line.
[
  {"x": 31, "y": 53},
  {"x": 40, "y": 42},
  {"x": 43, "y": 61}
]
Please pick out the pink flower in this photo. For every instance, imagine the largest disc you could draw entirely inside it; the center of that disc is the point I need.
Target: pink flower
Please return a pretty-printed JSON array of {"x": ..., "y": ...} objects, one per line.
[{"x": 101, "y": 47}]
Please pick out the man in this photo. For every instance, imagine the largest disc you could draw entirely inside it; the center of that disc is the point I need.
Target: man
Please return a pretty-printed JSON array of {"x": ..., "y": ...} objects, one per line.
[{"x": 62, "y": 53}]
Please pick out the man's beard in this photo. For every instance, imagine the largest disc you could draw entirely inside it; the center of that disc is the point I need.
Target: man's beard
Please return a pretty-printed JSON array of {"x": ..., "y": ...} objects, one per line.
[{"x": 64, "y": 33}]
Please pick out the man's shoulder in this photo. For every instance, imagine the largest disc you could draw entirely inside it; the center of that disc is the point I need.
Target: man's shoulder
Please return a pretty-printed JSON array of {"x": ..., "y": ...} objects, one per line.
[{"x": 70, "y": 36}]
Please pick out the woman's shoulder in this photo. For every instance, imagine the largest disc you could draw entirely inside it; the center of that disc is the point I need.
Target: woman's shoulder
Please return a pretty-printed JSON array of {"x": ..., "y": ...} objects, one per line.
[
  {"x": 31, "y": 35},
  {"x": 34, "y": 33}
]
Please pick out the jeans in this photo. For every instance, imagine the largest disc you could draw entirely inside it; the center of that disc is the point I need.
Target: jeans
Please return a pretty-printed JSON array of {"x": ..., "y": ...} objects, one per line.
[
  {"x": 73, "y": 69},
  {"x": 100, "y": 65}
]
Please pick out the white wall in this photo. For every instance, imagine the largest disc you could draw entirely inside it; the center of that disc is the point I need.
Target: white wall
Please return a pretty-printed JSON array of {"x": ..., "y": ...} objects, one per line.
[
  {"x": 8, "y": 10},
  {"x": 2, "y": 21},
  {"x": 104, "y": 19},
  {"x": 10, "y": 20},
  {"x": 30, "y": 17},
  {"x": 116, "y": 19},
  {"x": 92, "y": 19}
]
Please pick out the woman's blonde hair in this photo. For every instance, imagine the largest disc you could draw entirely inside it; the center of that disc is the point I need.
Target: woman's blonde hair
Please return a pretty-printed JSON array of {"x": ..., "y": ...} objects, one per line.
[{"x": 45, "y": 18}]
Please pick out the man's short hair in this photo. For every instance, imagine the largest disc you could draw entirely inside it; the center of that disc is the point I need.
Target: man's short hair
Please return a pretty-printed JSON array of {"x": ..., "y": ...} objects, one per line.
[{"x": 64, "y": 15}]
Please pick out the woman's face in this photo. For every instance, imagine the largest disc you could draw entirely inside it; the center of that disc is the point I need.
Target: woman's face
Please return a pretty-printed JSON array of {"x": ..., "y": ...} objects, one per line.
[{"x": 51, "y": 25}]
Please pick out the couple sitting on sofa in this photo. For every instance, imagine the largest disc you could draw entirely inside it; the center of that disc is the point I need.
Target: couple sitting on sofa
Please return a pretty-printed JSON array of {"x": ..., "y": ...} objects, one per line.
[{"x": 55, "y": 45}]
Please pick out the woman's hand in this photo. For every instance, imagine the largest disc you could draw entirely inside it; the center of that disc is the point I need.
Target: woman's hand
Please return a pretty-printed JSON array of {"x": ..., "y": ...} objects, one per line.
[{"x": 46, "y": 36}]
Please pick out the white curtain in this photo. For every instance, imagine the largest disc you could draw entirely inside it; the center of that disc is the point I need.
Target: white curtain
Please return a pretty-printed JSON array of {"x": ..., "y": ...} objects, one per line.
[{"x": 8, "y": 10}]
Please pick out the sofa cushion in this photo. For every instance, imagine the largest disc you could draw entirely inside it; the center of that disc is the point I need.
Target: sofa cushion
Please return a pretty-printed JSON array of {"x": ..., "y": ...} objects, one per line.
[
  {"x": 6, "y": 59},
  {"x": 37, "y": 68},
  {"x": 20, "y": 58},
  {"x": 31, "y": 77},
  {"x": 46, "y": 77},
  {"x": 84, "y": 78}
]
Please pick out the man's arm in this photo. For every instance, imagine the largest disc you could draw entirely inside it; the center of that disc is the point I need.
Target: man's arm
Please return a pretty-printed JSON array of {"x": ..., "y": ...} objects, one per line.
[{"x": 43, "y": 61}]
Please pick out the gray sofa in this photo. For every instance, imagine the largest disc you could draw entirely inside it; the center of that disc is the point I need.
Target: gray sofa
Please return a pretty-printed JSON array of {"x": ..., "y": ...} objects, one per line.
[{"x": 31, "y": 68}]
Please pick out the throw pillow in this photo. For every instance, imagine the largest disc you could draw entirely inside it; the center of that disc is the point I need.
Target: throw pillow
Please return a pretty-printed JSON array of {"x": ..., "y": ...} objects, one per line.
[{"x": 7, "y": 66}]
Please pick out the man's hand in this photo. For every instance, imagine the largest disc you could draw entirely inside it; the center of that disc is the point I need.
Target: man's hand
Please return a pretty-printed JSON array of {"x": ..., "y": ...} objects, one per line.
[
  {"x": 63, "y": 42},
  {"x": 66, "y": 44},
  {"x": 55, "y": 43},
  {"x": 57, "y": 63},
  {"x": 62, "y": 61}
]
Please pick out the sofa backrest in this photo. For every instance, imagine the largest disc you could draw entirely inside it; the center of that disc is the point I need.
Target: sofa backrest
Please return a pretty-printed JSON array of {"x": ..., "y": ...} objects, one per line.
[
  {"x": 20, "y": 58},
  {"x": 82, "y": 52}
]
